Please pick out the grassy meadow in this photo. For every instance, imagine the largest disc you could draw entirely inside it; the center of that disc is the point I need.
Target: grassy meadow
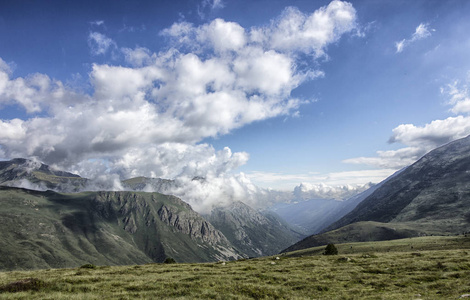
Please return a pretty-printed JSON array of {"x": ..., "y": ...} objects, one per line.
[{"x": 403, "y": 273}]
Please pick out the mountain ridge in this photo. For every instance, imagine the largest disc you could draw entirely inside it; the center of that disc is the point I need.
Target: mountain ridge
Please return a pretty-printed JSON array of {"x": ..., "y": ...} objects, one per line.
[
  {"x": 254, "y": 233},
  {"x": 431, "y": 196},
  {"x": 48, "y": 229}
]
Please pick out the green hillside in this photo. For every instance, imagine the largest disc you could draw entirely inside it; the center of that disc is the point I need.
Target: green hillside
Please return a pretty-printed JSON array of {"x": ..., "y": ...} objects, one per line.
[
  {"x": 53, "y": 230},
  {"x": 435, "y": 190},
  {"x": 430, "y": 197}
]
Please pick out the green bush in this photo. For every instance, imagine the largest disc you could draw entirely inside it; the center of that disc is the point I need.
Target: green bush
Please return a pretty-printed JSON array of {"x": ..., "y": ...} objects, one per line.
[
  {"x": 88, "y": 266},
  {"x": 330, "y": 250},
  {"x": 169, "y": 260}
]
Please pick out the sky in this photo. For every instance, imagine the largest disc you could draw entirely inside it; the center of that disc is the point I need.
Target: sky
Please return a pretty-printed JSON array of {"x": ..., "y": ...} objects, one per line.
[{"x": 252, "y": 95}]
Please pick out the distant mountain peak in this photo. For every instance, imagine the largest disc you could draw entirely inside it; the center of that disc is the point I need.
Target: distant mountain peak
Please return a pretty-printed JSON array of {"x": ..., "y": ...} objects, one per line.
[{"x": 32, "y": 174}]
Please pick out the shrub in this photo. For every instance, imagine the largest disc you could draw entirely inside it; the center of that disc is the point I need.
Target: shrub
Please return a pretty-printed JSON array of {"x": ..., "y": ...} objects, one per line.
[
  {"x": 330, "y": 250},
  {"x": 169, "y": 260},
  {"x": 88, "y": 266}
]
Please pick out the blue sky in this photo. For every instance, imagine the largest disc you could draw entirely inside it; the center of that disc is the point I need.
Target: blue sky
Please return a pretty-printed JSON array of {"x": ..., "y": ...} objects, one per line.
[{"x": 253, "y": 93}]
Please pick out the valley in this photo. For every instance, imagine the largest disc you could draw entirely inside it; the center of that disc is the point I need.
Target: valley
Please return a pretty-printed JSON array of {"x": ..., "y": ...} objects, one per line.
[
  {"x": 217, "y": 149},
  {"x": 68, "y": 227}
]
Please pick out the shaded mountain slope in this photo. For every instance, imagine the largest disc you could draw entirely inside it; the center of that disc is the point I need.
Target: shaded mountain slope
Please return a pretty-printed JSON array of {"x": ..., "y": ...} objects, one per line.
[
  {"x": 251, "y": 232},
  {"x": 432, "y": 196},
  {"x": 313, "y": 216},
  {"x": 435, "y": 188},
  {"x": 48, "y": 229}
]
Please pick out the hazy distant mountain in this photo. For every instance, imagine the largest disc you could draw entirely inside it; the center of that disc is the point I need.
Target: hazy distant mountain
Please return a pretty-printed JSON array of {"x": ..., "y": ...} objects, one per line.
[
  {"x": 49, "y": 229},
  {"x": 146, "y": 184},
  {"x": 432, "y": 196},
  {"x": 20, "y": 172},
  {"x": 435, "y": 189},
  {"x": 252, "y": 232},
  {"x": 314, "y": 215}
]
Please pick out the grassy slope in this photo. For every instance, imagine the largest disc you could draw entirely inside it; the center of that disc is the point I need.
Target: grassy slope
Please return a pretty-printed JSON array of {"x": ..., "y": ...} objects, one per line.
[
  {"x": 433, "y": 189},
  {"x": 425, "y": 243},
  {"x": 47, "y": 229},
  {"x": 430, "y": 197},
  {"x": 366, "y": 232},
  {"x": 382, "y": 275}
]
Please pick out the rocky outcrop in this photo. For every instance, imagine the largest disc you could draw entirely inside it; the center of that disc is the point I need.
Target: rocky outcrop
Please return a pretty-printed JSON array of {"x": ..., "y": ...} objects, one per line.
[
  {"x": 250, "y": 231},
  {"x": 188, "y": 222}
]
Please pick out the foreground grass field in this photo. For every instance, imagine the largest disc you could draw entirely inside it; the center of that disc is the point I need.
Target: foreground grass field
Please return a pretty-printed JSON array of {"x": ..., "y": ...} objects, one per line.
[{"x": 411, "y": 274}]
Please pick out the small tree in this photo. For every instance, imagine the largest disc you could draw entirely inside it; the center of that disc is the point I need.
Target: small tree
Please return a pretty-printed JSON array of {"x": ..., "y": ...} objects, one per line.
[
  {"x": 330, "y": 250},
  {"x": 169, "y": 260}
]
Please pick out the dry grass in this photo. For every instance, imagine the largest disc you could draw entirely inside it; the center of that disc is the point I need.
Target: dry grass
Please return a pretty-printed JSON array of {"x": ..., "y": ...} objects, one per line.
[{"x": 438, "y": 274}]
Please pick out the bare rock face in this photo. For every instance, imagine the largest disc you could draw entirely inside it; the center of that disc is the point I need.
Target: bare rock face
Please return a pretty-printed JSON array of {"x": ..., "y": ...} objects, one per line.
[
  {"x": 190, "y": 223},
  {"x": 250, "y": 231},
  {"x": 160, "y": 218}
]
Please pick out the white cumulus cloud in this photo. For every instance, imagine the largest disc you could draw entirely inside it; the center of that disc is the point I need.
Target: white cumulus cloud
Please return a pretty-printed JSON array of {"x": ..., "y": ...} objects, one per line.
[
  {"x": 309, "y": 33},
  {"x": 148, "y": 118},
  {"x": 421, "y": 139}
]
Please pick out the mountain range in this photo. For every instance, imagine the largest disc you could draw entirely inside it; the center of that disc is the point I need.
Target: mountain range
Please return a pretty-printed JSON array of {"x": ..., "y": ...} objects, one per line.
[
  {"x": 429, "y": 197},
  {"x": 252, "y": 232},
  {"x": 314, "y": 215},
  {"x": 51, "y": 230},
  {"x": 47, "y": 220},
  {"x": 20, "y": 172},
  {"x": 57, "y": 229}
]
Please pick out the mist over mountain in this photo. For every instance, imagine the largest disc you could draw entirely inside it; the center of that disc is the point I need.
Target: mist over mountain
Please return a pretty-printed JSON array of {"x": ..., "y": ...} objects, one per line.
[
  {"x": 202, "y": 193},
  {"x": 244, "y": 227},
  {"x": 32, "y": 174},
  {"x": 306, "y": 191},
  {"x": 254, "y": 233},
  {"x": 314, "y": 215},
  {"x": 156, "y": 227},
  {"x": 431, "y": 196}
]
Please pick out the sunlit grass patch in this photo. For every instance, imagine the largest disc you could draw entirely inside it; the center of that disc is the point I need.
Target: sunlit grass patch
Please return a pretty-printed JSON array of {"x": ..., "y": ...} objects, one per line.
[{"x": 370, "y": 275}]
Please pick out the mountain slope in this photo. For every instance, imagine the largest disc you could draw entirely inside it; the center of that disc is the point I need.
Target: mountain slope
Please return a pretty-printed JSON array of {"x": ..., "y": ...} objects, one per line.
[
  {"x": 361, "y": 232},
  {"x": 148, "y": 184},
  {"x": 433, "y": 189},
  {"x": 48, "y": 229},
  {"x": 314, "y": 215},
  {"x": 251, "y": 232},
  {"x": 26, "y": 173},
  {"x": 432, "y": 196}
]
